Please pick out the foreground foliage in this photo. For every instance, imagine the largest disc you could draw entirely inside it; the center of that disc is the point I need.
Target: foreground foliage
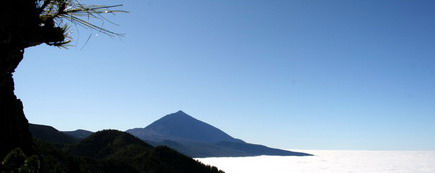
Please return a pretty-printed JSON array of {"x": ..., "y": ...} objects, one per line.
[{"x": 108, "y": 151}]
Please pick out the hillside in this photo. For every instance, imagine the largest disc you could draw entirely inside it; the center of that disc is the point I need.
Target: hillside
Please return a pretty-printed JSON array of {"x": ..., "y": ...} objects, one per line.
[
  {"x": 50, "y": 134},
  {"x": 180, "y": 126},
  {"x": 79, "y": 134},
  {"x": 108, "y": 151},
  {"x": 125, "y": 149},
  {"x": 199, "y": 139}
]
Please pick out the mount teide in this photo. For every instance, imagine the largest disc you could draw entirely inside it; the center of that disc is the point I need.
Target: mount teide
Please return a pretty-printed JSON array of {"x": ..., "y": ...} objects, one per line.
[{"x": 199, "y": 139}]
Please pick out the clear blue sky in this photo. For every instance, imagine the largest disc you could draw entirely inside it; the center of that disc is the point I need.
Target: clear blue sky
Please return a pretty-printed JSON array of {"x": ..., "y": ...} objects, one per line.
[{"x": 289, "y": 74}]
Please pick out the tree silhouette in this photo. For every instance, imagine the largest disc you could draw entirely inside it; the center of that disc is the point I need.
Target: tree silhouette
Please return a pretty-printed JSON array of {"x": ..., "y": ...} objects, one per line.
[{"x": 27, "y": 23}]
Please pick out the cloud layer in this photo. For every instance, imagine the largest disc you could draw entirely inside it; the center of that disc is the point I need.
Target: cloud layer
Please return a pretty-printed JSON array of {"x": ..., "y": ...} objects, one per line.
[{"x": 332, "y": 162}]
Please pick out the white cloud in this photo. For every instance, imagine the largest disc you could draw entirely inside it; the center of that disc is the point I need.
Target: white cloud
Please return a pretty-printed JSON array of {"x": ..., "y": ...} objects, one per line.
[{"x": 331, "y": 162}]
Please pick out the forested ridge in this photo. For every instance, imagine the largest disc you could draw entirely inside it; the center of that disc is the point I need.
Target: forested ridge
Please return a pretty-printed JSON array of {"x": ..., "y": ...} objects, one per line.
[{"x": 107, "y": 151}]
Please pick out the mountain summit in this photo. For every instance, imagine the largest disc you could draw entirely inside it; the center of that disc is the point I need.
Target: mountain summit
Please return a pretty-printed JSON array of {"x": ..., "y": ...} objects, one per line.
[
  {"x": 182, "y": 127},
  {"x": 199, "y": 139}
]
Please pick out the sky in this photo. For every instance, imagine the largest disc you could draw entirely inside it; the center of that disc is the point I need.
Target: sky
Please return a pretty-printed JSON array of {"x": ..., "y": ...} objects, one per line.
[{"x": 289, "y": 74}]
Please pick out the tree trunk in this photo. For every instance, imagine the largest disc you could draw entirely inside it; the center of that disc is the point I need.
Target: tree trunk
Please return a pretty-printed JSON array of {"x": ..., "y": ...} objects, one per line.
[{"x": 14, "y": 127}]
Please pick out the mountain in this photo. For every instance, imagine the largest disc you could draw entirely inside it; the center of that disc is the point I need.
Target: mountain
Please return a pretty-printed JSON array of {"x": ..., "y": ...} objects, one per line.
[
  {"x": 134, "y": 155},
  {"x": 107, "y": 151},
  {"x": 79, "y": 134},
  {"x": 50, "y": 134},
  {"x": 180, "y": 127},
  {"x": 199, "y": 139}
]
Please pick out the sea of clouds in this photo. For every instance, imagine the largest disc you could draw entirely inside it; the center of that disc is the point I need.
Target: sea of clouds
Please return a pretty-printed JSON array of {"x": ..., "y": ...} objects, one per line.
[{"x": 331, "y": 161}]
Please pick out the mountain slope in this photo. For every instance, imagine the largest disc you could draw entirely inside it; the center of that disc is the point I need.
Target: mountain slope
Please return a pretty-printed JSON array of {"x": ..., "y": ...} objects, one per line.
[
  {"x": 125, "y": 149},
  {"x": 180, "y": 126},
  {"x": 79, "y": 134},
  {"x": 106, "y": 143},
  {"x": 50, "y": 134},
  {"x": 199, "y": 139}
]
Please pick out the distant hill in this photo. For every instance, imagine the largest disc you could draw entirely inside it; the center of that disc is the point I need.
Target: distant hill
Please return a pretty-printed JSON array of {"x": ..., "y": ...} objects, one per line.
[
  {"x": 106, "y": 143},
  {"x": 79, "y": 134},
  {"x": 136, "y": 155},
  {"x": 50, "y": 134},
  {"x": 199, "y": 139}
]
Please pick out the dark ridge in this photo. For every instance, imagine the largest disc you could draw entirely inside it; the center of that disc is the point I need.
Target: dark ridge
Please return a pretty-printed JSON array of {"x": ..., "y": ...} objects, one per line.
[
  {"x": 50, "y": 134},
  {"x": 112, "y": 151},
  {"x": 79, "y": 134},
  {"x": 125, "y": 149},
  {"x": 106, "y": 143}
]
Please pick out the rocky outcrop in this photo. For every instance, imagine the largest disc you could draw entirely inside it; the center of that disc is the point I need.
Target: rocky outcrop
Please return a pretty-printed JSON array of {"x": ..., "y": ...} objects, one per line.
[
  {"x": 20, "y": 27},
  {"x": 16, "y": 21},
  {"x": 14, "y": 127}
]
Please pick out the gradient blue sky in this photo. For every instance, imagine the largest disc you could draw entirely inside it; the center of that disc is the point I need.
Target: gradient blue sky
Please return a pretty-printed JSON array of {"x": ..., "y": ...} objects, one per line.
[{"x": 289, "y": 74}]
